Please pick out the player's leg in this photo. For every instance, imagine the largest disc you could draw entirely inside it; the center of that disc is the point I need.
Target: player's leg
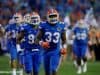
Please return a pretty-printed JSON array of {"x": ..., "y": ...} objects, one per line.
[
  {"x": 54, "y": 63},
  {"x": 74, "y": 59},
  {"x": 91, "y": 50},
  {"x": 13, "y": 54},
  {"x": 21, "y": 62},
  {"x": 77, "y": 52},
  {"x": 36, "y": 58},
  {"x": 28, "y": 63},
  {"x": 84, "y": 58},
  {"x": 79, "y": 70},
  {"x": 47, "y": 64}
]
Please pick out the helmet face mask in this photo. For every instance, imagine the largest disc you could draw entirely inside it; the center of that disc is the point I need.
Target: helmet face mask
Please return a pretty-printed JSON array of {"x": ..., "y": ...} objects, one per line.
[
  {"x": 27, "y": 18},
  {"x": 17, "y": 18},
  {"x": 53, "y": 19},
  {"x": 81, "y": 23},
  {"x": 52, "y": 16},
  {"x": 35, "y": 19}
]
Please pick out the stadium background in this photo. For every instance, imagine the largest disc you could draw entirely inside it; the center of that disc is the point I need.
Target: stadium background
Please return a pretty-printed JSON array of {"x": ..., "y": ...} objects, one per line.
[{"x": 64, "y": 7}]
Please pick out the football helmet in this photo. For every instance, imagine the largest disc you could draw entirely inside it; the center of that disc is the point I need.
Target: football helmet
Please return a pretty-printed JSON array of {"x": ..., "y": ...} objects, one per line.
[
  {"x": 27, "y": 18},
  {"x": 12, "y": 21},
  {"x": 52, "y": 16},
  {"x": 81, "y": 23},
  {"x": 18, "y": 18},
  {"x": 35, "y": 18}
]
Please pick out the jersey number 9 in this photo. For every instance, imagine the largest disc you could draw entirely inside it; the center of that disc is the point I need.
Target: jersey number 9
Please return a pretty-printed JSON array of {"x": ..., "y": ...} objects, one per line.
[{"x": 31, "y": 39}]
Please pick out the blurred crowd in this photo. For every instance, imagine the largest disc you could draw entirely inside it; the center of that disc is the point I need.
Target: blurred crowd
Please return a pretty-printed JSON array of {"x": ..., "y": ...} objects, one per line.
[{"x": 67, "y": 8}]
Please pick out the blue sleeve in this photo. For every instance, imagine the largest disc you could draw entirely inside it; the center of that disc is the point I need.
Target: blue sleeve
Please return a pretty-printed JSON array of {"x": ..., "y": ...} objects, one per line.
[
  {"x": 42, "y": 25},
  {"x": 63, "y": 26},
  {"x": 7, "y": 28},
  {"x": 74, "y": 30},
  {"x": 23, "y": 28}
]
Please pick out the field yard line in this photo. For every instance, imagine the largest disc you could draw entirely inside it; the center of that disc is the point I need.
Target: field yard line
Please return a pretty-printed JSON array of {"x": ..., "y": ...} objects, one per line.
[{"x": 7, "y": 72}]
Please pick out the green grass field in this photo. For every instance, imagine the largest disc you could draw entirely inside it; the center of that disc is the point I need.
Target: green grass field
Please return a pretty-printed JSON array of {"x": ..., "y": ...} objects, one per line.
[{"x": 66, "y": 68}]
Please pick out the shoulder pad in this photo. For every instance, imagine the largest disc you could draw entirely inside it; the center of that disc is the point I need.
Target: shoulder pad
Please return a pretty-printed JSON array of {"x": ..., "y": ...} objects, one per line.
[
  {"x": 61, "y": 22},
  {"x": 25, "y": 24},
  {"x": 42, "y": 22}
]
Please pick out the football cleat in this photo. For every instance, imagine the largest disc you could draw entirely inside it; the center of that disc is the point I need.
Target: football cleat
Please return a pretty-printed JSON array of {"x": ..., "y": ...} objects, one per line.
[
  {"x": 52, "y": 16},
  {"x": 75, "y": 63},
  {"x": 79, "y": 70},
  {"x": 85, "y": 67}
]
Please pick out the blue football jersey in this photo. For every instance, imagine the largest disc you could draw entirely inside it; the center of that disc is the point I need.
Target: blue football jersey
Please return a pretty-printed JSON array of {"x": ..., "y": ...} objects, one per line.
[
  {"x": 29, "y": 36},
  {"x": 13, "y": 29},
  {"x": 52, "y": 34},
  {"x": 81, "y": 35}
]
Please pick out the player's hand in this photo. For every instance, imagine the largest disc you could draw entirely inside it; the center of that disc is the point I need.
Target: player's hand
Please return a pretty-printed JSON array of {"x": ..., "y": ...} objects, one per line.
[
  {"x": 45, "y": 44},
  {"x": 89, "y": 43},
  {"x": 63, "y": 54},
  {"x": 63, "y": 51}
]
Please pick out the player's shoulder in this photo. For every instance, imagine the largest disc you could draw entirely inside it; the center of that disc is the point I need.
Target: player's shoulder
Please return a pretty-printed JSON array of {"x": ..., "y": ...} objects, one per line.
[
  {"x": 75, "y": 27},
  {"x": 9, "y": 25},
  {"x": 62, "y": 25},
  {"x": 26, "y": 25},
  {"x": 43, "y": 24}
]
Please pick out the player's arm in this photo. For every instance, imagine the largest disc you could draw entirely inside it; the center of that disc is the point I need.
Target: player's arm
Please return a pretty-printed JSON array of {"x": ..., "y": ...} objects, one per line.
[
  {"x": 38, "y": 36},
  {"x": 89, "y": 38},
  {"x": 64, "y": 45},
  {"x": 2, "y": 31},
  {"x": 19, "y": 38},
  {"x": 91, "y": 34},
  {"x": 39, "y": 41},
  {"x": 8, "y": 33},
  {"x": 63, "y": 50}
]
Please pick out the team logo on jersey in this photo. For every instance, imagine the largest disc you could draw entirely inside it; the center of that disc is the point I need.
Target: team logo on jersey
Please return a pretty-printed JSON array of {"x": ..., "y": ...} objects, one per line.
[{"x": 59, "y": 29}]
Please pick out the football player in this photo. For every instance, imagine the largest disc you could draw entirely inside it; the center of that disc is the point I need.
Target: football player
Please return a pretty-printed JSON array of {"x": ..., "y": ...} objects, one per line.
[
  {"x": 11, "y": 33},
  {"x": 2, "y": 30},
  {"x": 27, "y": 18},
  {"x": 80, "y": 45},
  {"x": 32, "y": 53},
  {"x": 53, "y": 35},
  {"x": 20, "y": 48}
]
